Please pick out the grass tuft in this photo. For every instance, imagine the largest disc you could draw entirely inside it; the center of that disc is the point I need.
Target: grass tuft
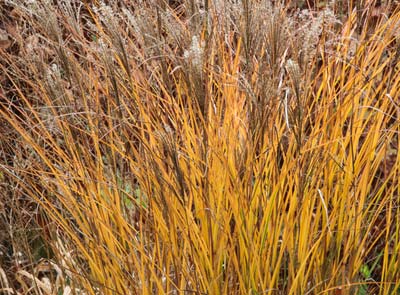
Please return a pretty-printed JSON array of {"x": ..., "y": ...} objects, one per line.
[{"x": 200, "y": 147}]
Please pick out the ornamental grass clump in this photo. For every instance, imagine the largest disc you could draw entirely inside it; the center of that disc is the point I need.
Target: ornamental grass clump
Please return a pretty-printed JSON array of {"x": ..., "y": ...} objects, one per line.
[{"x": 177, "y": 149}]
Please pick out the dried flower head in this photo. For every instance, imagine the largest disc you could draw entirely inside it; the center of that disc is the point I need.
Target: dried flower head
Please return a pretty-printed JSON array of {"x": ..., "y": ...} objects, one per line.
[{"x": 194, "y": 55}]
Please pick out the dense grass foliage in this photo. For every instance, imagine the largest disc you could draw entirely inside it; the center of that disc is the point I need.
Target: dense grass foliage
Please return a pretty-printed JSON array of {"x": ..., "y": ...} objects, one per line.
[{"x": 200, "y": 147}]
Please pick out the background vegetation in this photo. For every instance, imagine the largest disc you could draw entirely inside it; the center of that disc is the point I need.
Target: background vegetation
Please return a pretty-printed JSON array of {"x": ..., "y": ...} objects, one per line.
[{"x": 199, "y": 147}]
